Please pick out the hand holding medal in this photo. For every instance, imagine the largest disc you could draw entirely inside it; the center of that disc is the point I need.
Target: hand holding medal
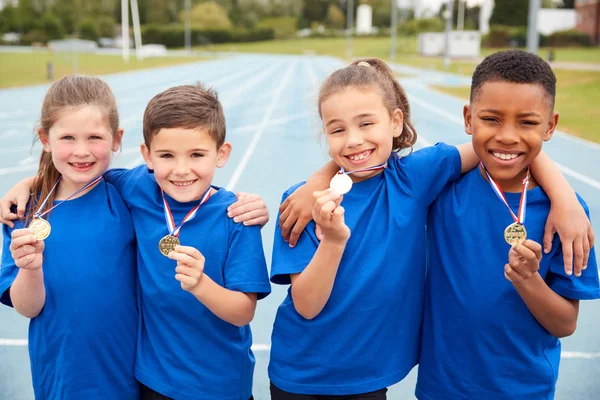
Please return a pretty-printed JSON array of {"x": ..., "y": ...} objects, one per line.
[
  {"x": 514, "y": 233},
  {"x": 328, "y": 214},
  {"x": 190, "y": 266},
  {"x": 523, "y": 261},
  {"x": 26, "y": 250}
]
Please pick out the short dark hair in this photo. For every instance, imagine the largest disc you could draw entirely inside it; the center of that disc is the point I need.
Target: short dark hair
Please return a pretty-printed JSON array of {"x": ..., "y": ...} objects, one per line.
[
  {"x": 516, "y": 66},
  {"x": 186, "y": 106}
]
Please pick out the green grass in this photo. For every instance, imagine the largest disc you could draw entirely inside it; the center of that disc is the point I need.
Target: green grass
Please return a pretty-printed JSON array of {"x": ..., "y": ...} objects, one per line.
[
  {"x": 567, "y": 54},
  {"x": 20, "y": 69},
  {"x": 577, "y": 102}
]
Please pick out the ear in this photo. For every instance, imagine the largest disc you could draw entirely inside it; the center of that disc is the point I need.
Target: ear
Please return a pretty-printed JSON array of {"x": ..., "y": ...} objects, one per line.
[
  {"x": 551, "y": 126},
  {"x": 397, "y": 122},
  {"x": 117, "y": 139},
  {"x": 467, "y": 118},
  {"x": 223, "y": 154},
  {"x": 146, "y": 155},
  {"x": 45, "y": 140}
]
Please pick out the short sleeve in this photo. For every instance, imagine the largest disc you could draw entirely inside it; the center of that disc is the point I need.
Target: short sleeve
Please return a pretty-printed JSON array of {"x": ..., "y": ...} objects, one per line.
[
  {"x": 119, "y": 177},
  {"x": 288, "y": 260},
  {"x": 429, "y": 170},
  {"x": 8, "y": 269},
  {"x": 584, "y": 287},
  {"x": 246, "y": 268}
]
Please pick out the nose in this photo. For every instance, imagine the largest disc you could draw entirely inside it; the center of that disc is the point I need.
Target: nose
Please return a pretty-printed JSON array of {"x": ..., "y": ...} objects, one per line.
[
  {"x": 81, "y": 149},
  {"x": 508, "y": 135},
  {"x": 354, "y": 138},
  {"x": 181, "y": 167}
]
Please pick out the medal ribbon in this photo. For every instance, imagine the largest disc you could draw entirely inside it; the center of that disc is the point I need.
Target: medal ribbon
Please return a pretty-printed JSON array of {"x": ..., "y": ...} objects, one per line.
[
  {"x": 174, "y": 230},
  {"x": 522, "y": 203},
  {"x": 39, "y": 214},
  {"x": 373, "y": 168}
]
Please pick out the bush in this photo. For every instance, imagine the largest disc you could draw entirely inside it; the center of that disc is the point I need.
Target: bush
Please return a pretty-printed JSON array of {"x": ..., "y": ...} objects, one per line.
[
  {"x": 89, "y": 30},
  {"x": 566, "y": 38},
  {"x": 414, "y": 26},
  {"x": 173, "y": 35},
  {"x": 502, "y": 36},
  {"x": 106, "y": 26},
  {"x": 284, "y": 27},
  {"x": 33, "y": 36},
  {"x": 52, "y": 28}
]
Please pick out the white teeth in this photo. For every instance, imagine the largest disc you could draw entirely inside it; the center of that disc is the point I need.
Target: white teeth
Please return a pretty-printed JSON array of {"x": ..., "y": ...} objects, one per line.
[
  {"x": 82, "y": 165},
  {"x": 504, "y": 156},
  {"x": 183, "y": 184},
  {"x": 361, "y": 156}
]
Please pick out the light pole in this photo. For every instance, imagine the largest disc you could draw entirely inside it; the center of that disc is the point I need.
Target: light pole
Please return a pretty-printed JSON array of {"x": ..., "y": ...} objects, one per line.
[
  {"x": 188, "y": 23},
  {"x": 532, "y": 34},
  {"x": 349, "y": 24},
  {"x": 448, "y": 16},
  {"x": 460, "y": 24},
  {"x": 394, "y": 30}
]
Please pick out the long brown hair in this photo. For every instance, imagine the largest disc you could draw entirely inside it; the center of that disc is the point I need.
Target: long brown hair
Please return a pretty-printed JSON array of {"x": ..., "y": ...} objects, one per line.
[
  {"x": 66, "y": 94},
  {"x": 374, "y": 72}
]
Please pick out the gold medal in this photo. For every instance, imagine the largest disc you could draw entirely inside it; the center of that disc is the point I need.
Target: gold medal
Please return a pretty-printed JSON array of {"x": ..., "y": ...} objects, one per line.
[
  {"x": 515, "y": 233},
  {"x": 41, "y": 228},
  {"x": 167, "y": 244}
]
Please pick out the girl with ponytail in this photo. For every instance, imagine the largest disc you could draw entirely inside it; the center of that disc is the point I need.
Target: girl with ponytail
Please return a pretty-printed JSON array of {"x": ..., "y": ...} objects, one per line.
[{"x": 70, "y": 264}]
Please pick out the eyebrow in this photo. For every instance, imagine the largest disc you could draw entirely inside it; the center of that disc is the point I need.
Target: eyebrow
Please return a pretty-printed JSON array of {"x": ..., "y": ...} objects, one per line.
[
  {"x": 364, "y": 115},
  {"x": 494, "y": 111},
  {"x": 190, "y": 151}
]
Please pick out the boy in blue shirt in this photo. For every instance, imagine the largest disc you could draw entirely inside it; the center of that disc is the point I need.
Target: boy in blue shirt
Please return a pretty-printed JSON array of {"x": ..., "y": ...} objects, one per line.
[
  {"x": 193, "y": 343},
  {"x": 495, "y": 304}
]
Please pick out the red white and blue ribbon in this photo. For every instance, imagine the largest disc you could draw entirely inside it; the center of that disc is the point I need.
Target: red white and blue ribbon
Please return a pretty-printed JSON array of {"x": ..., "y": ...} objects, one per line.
[
  {"x": 373, "y": 168},
  {"x": 522, "y": 203},
  {"x": 39, "y": 214},
  {"x": 174, "y": 230}
]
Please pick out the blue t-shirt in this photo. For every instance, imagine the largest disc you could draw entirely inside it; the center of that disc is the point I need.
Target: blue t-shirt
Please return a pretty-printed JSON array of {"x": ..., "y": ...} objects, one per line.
[
  {"x": 367, "y": 335},
  {"x": 480, "y": 341},
  {"x": 82, "y": 344},
  {"x": 184, "y": 350}
]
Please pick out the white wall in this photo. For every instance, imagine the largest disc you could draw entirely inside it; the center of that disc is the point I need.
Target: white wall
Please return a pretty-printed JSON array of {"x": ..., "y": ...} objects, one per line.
[
  {"x": 553, "y": 20},
  {"x": 364, "y": 19},
  {"x": 463, "y": 44}
]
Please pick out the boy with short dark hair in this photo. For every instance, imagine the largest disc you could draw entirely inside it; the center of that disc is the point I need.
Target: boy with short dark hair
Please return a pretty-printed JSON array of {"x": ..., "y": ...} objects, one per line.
[{"x": 495, "y": 305}]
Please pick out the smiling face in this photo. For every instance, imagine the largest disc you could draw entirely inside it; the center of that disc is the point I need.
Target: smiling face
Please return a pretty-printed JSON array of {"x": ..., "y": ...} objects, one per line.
[
  {"x": 359, "y": 129},
  {"x": 184, "y": 161},
  {"x": 509, "y": 123},
  {"x": 81, "y": 143}
]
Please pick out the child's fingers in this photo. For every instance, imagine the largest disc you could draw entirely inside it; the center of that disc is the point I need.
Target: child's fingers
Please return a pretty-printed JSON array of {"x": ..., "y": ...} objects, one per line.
[
  {"x": 249, "y": 215},
  {"x": 324, "y": 214},
  {"x": 535, "y": 247},
  {"x": 188, "y": 271},
  {"x": 190, "y": 251},
  {"x": 586, "y": 252},
  {"x": 186, "y": 280},
  {"x": 183, "y": 258},
  {"x": 21, "y": 232},
  {"x": 19, "y": 241},
  {"x": 260, "y": 221},
  {"x": 509, "y": 273},
  {"x": 549, "y": 232},
  {"x": 338, "y": 216},
  {"x": 525, "y": 251},
  {"x": 22, "y": 251}
]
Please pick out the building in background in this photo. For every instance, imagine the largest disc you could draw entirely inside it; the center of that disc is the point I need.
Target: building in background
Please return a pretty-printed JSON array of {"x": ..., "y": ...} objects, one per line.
[{"x": 588, "y": 18}]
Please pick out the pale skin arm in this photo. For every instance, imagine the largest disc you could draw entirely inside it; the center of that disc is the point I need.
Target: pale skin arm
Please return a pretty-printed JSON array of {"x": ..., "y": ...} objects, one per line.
[
  {"x": 312, "y": 287},
  {"x": 567, "y": 216},
  {"x": 296, "y": 210},
  {"x": 27, "y": 292},
  {"x": 555, "y": 313},
  {"x": 231, "y": 306}
]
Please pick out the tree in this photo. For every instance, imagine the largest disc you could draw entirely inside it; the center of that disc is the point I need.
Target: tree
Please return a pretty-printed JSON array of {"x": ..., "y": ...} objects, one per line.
[
  {"x": 315, "y": 10},
  {"x": 471, "y": 16},
  {"x": 335, "y": 17},
  {"x": 510, "y": 13},
  {"x": 106, "y": 26},
  {"x": 69, "y": 12},
  {"x": 52, "y": 27},
  {"x": 158, "y": 12},
  {"x": 208, "y": 15},
  {"x": 89, "y": 29},
  {"x": 570, "y": 4}
]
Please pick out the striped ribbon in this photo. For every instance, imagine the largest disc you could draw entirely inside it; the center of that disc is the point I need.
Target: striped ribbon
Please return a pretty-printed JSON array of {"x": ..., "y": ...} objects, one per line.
[
  {"x": 373, "y": 168},
  {"x": 39, "y": 214},
  {"x": 174, "y": 230},
  {"x": 522, "y": 203}
]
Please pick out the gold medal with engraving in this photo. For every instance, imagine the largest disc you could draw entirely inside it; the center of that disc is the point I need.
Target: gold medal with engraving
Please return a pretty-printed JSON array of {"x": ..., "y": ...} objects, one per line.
[
  {"x": 167, "y": 244},
  {"x": 41, "y": 228},
  {"x": 515, "y": 233}
]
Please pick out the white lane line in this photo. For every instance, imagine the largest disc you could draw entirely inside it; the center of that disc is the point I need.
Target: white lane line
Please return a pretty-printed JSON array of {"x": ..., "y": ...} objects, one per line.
[
  {"x": 263, "y": 125},
  {"x": 261, "y": 347},
  {"x": 13, "y": 342},
  {"x": 459, "y": 121},
  {"x": 21, "y": 168},
  {"x": 274, "y": 122},
  {"x": 579, "y": 354}
]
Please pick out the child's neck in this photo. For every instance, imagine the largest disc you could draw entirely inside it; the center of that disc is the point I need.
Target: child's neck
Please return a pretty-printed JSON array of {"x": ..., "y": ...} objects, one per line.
[{"x": 513, "y": 185}]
